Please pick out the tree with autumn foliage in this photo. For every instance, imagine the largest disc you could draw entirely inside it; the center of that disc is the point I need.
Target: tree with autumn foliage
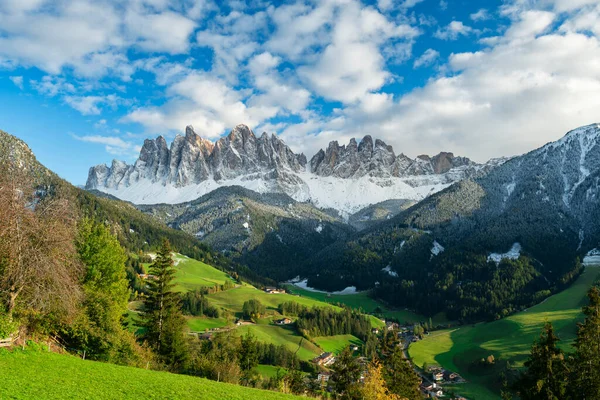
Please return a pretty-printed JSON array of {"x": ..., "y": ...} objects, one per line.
[
  {"x": 375, "y": 387},
  {"x": 39, "y": 266}
]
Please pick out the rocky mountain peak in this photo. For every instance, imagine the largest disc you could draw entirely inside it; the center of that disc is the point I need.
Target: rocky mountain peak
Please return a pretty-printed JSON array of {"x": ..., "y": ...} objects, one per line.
[
  {"x": 193, "y": 166},
  {"x": 378, "y": 159},
  {"x": 192, "y": 159}
]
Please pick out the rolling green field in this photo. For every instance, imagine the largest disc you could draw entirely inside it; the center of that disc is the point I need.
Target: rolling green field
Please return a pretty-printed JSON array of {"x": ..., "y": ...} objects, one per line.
[
  {"x": 360, "y": 301},
  {"x": 270, "y": 371},
  {"x": 282, "y": 335},
  {"x": 335, "y": 344},
  {"x": 193, "y": 274},
  {"x": 508, "y": 339},
  {"x": 200, "y": 324},
  {"x": 234, "y": 299},
  {"x": 33, "y": 374}
]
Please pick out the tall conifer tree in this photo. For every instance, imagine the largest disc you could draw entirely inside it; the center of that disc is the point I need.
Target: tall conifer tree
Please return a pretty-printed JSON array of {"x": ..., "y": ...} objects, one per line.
[
  {"x": 585, "y": 380},
  {"x": 162, "y": 316},
  {"x": 546, "y": 376}
]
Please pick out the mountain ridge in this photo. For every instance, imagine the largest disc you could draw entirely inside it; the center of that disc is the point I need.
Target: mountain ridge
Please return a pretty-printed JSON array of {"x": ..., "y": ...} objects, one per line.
[{"x": 194, "y": 166}]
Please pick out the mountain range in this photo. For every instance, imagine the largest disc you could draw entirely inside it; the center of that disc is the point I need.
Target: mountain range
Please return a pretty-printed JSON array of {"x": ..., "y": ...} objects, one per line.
[
  {"x": 345, "y": 178},
  {"x": 484, "y": 241}
]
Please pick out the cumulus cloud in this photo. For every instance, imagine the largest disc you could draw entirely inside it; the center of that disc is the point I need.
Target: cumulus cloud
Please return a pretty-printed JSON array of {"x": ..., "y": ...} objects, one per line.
[
  {"x": 51, "y": 86},
  {"x": 427, "y": 58},
  {"x": 92, "y": 37},
  {"x": 314, "y": 71},
  {"x": 454, "y": 30},
  {"x": 481, "y": 15},
  {"x": 530, "y": 87},
  {"x": 17, "y": 80},
  {"x": 112, "y": 144},
  {"x": 353, "y": 64},
  {"x": 91, "y": 105}
]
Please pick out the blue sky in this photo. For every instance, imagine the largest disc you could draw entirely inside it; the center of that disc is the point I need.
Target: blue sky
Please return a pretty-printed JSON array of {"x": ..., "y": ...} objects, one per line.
[{"x": 86, "y": 81}]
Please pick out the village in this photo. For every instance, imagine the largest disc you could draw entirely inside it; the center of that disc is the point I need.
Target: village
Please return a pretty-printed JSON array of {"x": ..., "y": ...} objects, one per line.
[{"x": 433, "y": 379}]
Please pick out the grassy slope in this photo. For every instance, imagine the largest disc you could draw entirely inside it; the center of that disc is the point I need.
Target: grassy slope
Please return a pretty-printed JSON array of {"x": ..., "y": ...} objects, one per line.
[
  {"x": 193, "y": 274},
  {"x": 336, "y": 344},
  {"x": 282, "y": 335},
  {"x": 200, "y": 324},
  {"x": 234, "y": 299},
  {"x": 41, "y": 375},
  {"x": 359, "y": 301},
  {"x": 508, "y": 339},
  {"x": 270, "y": 371}
]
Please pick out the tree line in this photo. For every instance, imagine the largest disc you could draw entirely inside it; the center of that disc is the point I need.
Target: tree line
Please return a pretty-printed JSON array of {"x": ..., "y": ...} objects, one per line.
[
  {"x": 325, "y": 321},
  {"x": 551, "y": 373}
]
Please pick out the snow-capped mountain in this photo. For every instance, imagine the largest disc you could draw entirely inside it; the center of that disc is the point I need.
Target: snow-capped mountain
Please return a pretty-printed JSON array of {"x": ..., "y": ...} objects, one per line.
[
  {"x": 544, "y": 204},
  {"x": 344, "y": 178},
  {"x": 379, "y": 160}
]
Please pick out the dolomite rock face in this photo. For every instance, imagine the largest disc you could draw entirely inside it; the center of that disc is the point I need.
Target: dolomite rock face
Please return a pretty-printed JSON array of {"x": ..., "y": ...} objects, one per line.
[{"x": 343, "y": 177}]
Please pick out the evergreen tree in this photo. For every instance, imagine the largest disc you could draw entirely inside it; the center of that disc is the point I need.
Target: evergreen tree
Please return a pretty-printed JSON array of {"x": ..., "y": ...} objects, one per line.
[
  {"x": 162, "y": 315},
  {"x": 546, "y": 375},
  {"x": 248, "y": 353},
  {"x": 400, "y": 376},
  {"x": 295, "y": 382},
  {"x": 346, "y": 376},
  {"x": 106, "y": 290},
  {"x": 585, "y": 380}
]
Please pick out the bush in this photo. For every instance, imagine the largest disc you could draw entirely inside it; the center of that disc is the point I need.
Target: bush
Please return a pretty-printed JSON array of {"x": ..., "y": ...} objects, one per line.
[{"x": 7, "y": 326}]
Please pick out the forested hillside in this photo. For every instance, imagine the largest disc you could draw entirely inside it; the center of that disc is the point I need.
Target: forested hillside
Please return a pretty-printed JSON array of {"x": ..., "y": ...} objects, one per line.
[{"x": 438, "y": 254}]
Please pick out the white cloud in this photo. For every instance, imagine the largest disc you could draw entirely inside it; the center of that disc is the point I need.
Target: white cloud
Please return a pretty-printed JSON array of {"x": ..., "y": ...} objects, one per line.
[
  {"x": 92, "y": 37},
  {"x": 17, "y": 80},
  {"x": 112, "y": 144},
  {"x": 199, "y": 99},
  {"x": 91, "y": 105},
  {"x": 352, "y": 65},
  {"x": 167, "y": 31},
  {"x": 51, "y": 86},
  {"x": 386, "y": 5},
  {"x": 529, "y": 88},
  {"x": 481, "y": 15},
  {"x": 427, "y": 58},
  {"x": 453, "y": 30}
]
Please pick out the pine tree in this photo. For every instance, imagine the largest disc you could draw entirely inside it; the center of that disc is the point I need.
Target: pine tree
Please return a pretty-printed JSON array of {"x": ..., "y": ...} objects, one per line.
[
  {"x": 585, "y": 380},
  {"x": 295, "y": 381},
  {"x": 400, "y": 376},
  {"x": 248, "y": 353},
  {"x": 346, "y": 375},
  {"x": 162, "y": 315},
  {"x": 546, "y": 375},
  {"x": 248, "y": 359},
  {"x": 106, "y": 289}
]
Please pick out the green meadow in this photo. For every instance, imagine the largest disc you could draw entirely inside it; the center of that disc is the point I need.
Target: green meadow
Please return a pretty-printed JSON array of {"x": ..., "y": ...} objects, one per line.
[
  {"x": 282, "y": 335},
  {"x": 360, "y": 301},
  {"x": 192, "y": 274},
  {"x": 270, "y": 371},
  {"x": 508, "y": 339},
  {"x": 34, "y": 374},
  {"x": 335, "y": 344},
  {"x": 234, "y": 299},
  {"x": 200, "y": 324}
]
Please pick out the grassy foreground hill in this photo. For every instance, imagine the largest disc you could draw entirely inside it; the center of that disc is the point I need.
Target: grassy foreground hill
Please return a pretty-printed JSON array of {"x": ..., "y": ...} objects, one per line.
[
  {"x": 34, "y": 374},
  {"x": 508, "y": 339}
]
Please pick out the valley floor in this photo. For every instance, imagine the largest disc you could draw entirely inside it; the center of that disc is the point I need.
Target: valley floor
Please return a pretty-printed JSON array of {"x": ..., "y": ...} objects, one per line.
[{"x": 508, "y": 339}]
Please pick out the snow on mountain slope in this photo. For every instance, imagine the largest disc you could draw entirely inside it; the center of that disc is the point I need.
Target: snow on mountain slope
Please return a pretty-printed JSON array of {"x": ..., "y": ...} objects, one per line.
[
  {"x": 345, "y": 178},
  {"x": 351, "y": 195}
]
